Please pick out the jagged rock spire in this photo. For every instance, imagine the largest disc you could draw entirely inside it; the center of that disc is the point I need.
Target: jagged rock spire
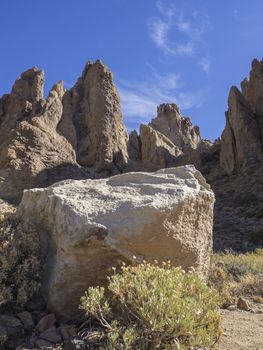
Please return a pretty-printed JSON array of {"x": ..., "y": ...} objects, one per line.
[
  {"x": 92, "y": 120},
  {"x": 242, "y": 138},
  {"x": 177, "y": 128}
]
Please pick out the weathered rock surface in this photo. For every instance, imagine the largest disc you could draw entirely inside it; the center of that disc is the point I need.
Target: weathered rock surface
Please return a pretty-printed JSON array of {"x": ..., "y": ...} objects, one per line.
[
  {"x": 169, "y": 140},
  {"x": 92, "y": 225},
  {"x": 157, "y": 151},
  {"x": 46, "y": 140},
  {"x": 32, "y": 153},
  {"x": 175, "y": 127},
  {"x": 134, "y": 147},
  {"x": 242, "y": 138},
  {"x": 92, "y": 121}
]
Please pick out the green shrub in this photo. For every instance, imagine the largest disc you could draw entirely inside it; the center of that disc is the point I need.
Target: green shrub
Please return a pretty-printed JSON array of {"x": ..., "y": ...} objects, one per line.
[
  {"x": 19, "y": 260},
  {"x": 152, "y": 307}
]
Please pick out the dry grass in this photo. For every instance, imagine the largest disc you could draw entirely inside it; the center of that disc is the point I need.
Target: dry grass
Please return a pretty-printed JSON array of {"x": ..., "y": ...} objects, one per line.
[{"x": 235, "y": 275}]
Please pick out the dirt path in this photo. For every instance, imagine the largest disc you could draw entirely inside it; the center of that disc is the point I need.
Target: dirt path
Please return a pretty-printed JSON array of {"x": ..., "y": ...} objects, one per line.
[{"x": 242, "y": 330}]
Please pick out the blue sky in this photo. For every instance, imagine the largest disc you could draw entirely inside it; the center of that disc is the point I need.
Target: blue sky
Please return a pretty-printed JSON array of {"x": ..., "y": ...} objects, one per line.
[{"x": 184, "y": 51}]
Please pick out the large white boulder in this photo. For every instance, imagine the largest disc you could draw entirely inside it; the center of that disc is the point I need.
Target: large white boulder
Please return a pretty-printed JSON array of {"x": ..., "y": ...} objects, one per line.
[{"x": 88, "y": 226}]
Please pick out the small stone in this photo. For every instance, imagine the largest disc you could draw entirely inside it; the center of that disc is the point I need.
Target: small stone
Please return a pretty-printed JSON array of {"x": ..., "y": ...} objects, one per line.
[
  {"x": 22, "y": 347},
  {"x": 256, "y": 311},
  {"x": 26, "y": 319},
  {"x": 46, "y": 322},
  {"x": 231, "y": 307},
  {"x": 51, "y": 335},
  {"x": 11, "y": 324},
  {"x": 10, "y": 321},
  {"x": 41, "y": 343},
  {"x": 242, "y": 304},
  {"x": 32, "y": 340},
  {"x": 67, "y": 332},
  {"x": 75, "y": 344}
]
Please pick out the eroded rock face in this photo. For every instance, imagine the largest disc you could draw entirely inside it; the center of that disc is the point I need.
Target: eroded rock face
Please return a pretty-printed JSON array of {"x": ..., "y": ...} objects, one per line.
[
  {"x": 31, "y": 152},
  {"x": 169, "y": 140},
  {"x": 92, "y": 225},
  {"x": 92, "y": 121},
  {"x": 71, "y": 134},
  {"x": 156, "y": 149},
  {"x": 252, "y": 88},
  {"x": 178, "y": 129},
  {"x": 242, "y": 138}
]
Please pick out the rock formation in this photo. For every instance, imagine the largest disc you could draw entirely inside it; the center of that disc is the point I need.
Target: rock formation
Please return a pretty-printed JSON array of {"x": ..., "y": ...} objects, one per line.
[
  {"x": 178, "y": 129},
  {"x": 157, "y": 151},
  {"x": 92, "y": 225},
  {"x": 71, "y": 134},
  {"x": 92, "y": 121},
  {"x": 242, "y": 138},
  {"x": 170, "y": 139},
  {"x": 31, "y": 152},
  {"x": 80, "y": 134}
]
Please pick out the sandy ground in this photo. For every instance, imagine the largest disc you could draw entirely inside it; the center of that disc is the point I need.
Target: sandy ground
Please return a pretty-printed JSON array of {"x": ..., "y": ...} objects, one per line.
[{"x": 243, "y": 330}]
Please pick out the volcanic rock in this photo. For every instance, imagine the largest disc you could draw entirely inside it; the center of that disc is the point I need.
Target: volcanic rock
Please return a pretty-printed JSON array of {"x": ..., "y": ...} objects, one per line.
[
  {"x": 32, "y": 153},
  {"x": 242, "y": 138},
  {"x": 92, "y": 121},
  {"x": 169, "y": 140},
  {"x": 157, "y": 150},
  {"x": 175, "y": 127}
]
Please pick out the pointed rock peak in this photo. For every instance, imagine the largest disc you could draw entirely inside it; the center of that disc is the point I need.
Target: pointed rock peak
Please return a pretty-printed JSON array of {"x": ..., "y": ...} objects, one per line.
[
  {"x": 234, "y": 92},
  {"x": 256, "y": 63},
  {"x": 99, "y": 67},
  {"x": 166, "y": 108},
  {"x": 30, "y": 85},
  {"x": 244, "y": 121},
  {"x": 31, "y": 73},
  {"x": 100, "y": 63},
  {"x": 59, "y": 89},
  {"x": 87, "y": 67},
  {"x": 102, "y": 70},
  {"x": 92, "y": 108},
  {"x": 173, "y": 125}
]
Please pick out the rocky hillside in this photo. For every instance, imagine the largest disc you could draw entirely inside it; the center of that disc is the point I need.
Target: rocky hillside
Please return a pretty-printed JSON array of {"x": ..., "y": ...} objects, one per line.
[{"x": 80, "y": 134}]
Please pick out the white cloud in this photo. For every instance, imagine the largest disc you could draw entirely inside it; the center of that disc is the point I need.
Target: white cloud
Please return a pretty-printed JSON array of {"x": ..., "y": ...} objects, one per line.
[
  {"x": 183, "y": 25},
  {"x": 139, "y": 100},
  {"x": 175, "y": 33},
  {"x": 205, "y": 63},
  {"x": 136, "y": 107},
  {"x": 158, "y": 31},
  {"x": 166, "y": 10}
]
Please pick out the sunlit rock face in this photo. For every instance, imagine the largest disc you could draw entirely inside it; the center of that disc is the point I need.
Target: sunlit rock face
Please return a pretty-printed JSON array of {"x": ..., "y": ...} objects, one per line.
[
  {"x": 242, "y": 138},
  {"x": 32, "y": 153},
  {"x": 88, "y": 226},
  {"x": 92, "y": 121},
  {"x": 71, "y": 134}
]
